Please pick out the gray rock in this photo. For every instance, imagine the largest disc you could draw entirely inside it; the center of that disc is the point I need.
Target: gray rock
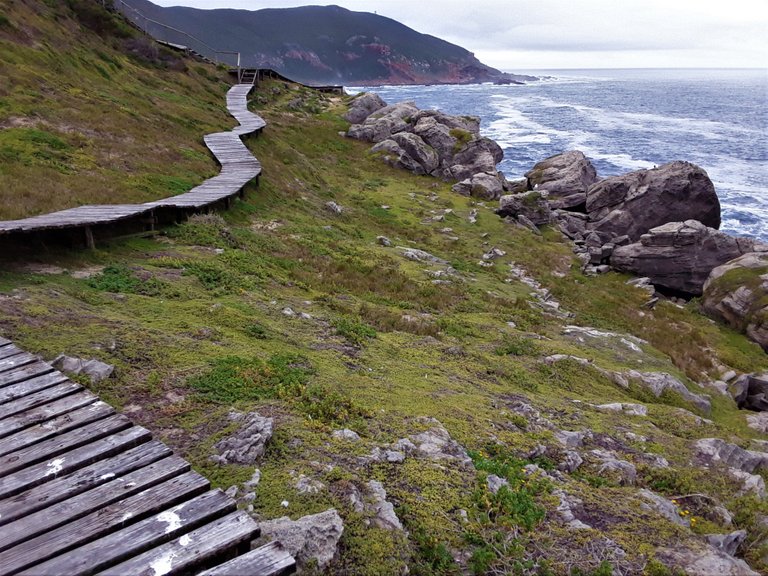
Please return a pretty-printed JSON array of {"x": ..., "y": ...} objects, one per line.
[
  {"x": 530, "y": 204},
  {"x": 717, "y": 451},
  {"x": 728, "y": 543},
  {"x": 363, "y": 106},
  {"x": 383, "y": 123},
  {"x": 333, "y": 207},
  {"x": 566, "y": 177},
  {"x": 437, "y": 444},
  {"x": 570, "y": 462},
  {"x": 420, "y": 151},
  {"x": 436, "y": 135},
  {"x": 384, "y": 511},
  {"x": 568, "y": 504},
  {"x": 750, "y": 483},
  {"x": 307, "y": 485},
  {"x": 625, "y": 408},
  {"x": 526, "y": 222},
  {"x": 248, "y": 444},
  {"x": 421, "y": 256},
  {"x": 486, "y": 186},
  {"x": 495, "y": 483},
  {"x": 739, "y": 389},
  {"x": 662, "y": 506},
  {"x": 346, "y": 434},
  {"x": 634, "y": 203},
  {"x": 309, "y": 538},
  {"x": 571, "y": 439},
  {"x": 383, "y": 241},
  {"x": 703, "y": 561},
  {"x": 610, "y": 465},
  {"x": 573, "y": 225},
  {"x": 96, "y": 370},
  {"x": 742, "y": 305},
  {"x": 659, "y": 382},
  {"x": 680, "y": 255},
  {"x": 758, "y": 422}
]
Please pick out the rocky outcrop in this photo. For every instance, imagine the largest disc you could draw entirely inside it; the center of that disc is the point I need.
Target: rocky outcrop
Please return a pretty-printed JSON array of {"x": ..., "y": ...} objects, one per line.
[
  {"x": 248, "y": 444},
  {"x": 680, "y": 255},
  {"x": 363, "y": 106},
  {"x": 433, "y": 143},
  {"x": 311, "y": 538},
  {"x": 750, "y": 391},
  {"x": 717, "y": 451},
  {"x": 533, "y": 205},
  {"x": 96, "y": 370},
  {"x": 634, "y": 203},
  {"x": 704, "y": 561},
  {"x": 737, "y": 293},
  {"x": 566, "y": 177}
]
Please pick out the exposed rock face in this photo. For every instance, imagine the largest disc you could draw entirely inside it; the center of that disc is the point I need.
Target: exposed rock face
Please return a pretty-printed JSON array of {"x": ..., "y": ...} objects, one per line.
[
  {"x": 634, "y": 203},
  {"x": 385, "y": 516},
  {"x": 737, "y": 294},
  {"x": 658, "y": 382},
  {"x": 437, "y": 444},
  {"x": 717, "y": 451},
  {"x": 750, "y": 391},
  {"x": 430, "y": 142},
  {"x": 363, "y": 106},
  {"x": 311, "y": 537},
  {"x": 663, "y": 506},
  {"x": 704, "y": 561},
  {"x": 249, "y": 443},
  {"x": 566, "y": 177},
  {"x": 96, "y": 370},
  {"x": 532, "y": 205},
  {"x": 680, "y": 255}
]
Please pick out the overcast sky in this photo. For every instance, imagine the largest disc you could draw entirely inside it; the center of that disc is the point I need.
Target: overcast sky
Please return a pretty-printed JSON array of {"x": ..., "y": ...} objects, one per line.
[{"x": 538, "y": 34}]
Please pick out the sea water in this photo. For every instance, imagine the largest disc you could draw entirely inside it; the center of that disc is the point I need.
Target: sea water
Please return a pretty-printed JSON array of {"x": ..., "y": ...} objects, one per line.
[{"x": 625, "y": 120}]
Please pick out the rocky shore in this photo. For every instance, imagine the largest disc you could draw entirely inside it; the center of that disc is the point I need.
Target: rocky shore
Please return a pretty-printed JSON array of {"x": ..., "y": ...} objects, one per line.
[{"x": 661, "y": 225}]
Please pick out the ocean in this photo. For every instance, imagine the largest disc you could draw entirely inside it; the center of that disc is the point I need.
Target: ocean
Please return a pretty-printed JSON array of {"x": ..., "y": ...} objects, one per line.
[{"x": 624, "y": 120}]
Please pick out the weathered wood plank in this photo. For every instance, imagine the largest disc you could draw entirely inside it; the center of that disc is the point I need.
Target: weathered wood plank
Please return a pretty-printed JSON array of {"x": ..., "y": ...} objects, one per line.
[
  {"x": 4, "y": 341},
  {"x": 56, "y": 426},
  {"x": 269, "y": 560},
  {"x": 13, "y": 424},
  {"x": 73, "y": 508},
  {"x": 63, "y": 487},
  {"x": 53, "y": 448},
  {"x": 73, "y": 460},
  {"x": 24, "y": 373},
  {"x": 38, "y": 398},
  {"x": 191, "y": 551},
  {"x": 21, "y": 389},
  {"x": 9, "y": 350},
  {"x": 97, "y": 524},
  {"x": 137, "y": 538},
  {"x": 17, "y": 360}
]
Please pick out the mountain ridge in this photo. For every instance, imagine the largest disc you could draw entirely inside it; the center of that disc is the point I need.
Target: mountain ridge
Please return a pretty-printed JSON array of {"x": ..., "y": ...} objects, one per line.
[{"x": 329, "y": 44}]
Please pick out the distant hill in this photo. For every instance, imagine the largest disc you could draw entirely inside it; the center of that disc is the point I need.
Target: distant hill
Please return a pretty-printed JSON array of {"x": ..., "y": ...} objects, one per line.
[{"x": 329, "y": 45}]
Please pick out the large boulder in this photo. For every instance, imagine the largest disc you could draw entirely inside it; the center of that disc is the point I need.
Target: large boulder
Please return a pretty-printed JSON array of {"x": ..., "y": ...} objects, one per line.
[
  {"x": 680, "y": 255},
  {"x": 483, "y": 185},
  {"x": 737, "y": 293},
  {"x": 477, "y": 155},
  {"x": 634, "y": 203},
  {"x": 566, "y": 177},
  {"x": 383, "y": 123},
  {"x": 532, "y": 205},
  {"x": 363, "y": 106},
  {"x": 311, "y": 539},
  {"x": 419, "y": 150},
  {"x": 469, "y": 123}
]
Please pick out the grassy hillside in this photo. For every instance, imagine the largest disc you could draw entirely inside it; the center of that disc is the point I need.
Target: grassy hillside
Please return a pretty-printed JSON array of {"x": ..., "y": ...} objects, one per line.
[
  {"x": 93, "y": 112},
  {"x": 286, "y": 307}
]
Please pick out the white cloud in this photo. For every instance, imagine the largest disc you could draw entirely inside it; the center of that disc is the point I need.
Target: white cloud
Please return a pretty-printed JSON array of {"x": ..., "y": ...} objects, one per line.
[{"x": 575, "y": 33}]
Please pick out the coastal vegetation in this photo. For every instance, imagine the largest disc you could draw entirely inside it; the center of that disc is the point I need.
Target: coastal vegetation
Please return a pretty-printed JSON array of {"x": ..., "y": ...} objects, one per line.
[{"x": 303, "y": 314}]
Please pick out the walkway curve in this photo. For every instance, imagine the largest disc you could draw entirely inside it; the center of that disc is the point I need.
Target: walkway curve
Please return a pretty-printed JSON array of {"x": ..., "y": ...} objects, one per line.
[{"x": 238, "y": 167}]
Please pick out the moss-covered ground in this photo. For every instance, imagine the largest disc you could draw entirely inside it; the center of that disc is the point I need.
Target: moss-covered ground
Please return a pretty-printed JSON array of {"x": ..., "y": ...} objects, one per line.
[{"x": 285, "y": 307}]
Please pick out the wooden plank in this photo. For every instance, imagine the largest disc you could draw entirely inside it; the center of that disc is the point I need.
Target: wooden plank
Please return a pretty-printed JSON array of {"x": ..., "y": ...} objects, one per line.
[
  {"x": 191, "y": 551},
  {"x": 13, "y": 424},
  {"x": 18, "y": 360},
  {"x": 71, "y": 509},
  {"x": 73, "y": 460},
  {"x": 4, "y": 341},
  {"x": 38, "y": 398},
  {"x": 119, "y": 546},
  {"x": 269, "y": 560},
  {"x": 21, "y": 389},
  {"x": 24, "y": 373},
  {"x": 101, "y": 522},
  {"x": 81, "y": 480},
  {"x": 9, "y": 350},
  {"x": 55, "y": 426},
  {"x": 54, "y": 448}
]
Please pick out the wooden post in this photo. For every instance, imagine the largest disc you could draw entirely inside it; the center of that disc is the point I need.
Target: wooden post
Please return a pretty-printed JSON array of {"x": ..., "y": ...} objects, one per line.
[{"x": 90, "y": 243}]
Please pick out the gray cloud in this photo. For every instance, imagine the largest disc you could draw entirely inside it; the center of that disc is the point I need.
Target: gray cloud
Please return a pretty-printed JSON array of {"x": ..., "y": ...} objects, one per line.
[{"x": 532, "y": 33}]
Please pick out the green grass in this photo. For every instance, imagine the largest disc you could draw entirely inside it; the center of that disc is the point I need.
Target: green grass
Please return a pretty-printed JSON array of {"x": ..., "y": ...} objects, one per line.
[{"x": 196, "y": 314}]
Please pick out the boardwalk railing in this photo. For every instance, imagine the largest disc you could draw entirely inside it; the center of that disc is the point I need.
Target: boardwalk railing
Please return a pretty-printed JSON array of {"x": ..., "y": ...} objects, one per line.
[
  {"x": 176, "y": 38},
  {"x": 238, "y": 167},
  {"x": 84, "y": 490}
]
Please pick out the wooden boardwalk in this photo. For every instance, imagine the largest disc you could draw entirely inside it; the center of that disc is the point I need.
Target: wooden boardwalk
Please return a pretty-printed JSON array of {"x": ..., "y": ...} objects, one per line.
[
  {"x": 85, "y": 491},
  {"x": 238, "y": 167}
]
